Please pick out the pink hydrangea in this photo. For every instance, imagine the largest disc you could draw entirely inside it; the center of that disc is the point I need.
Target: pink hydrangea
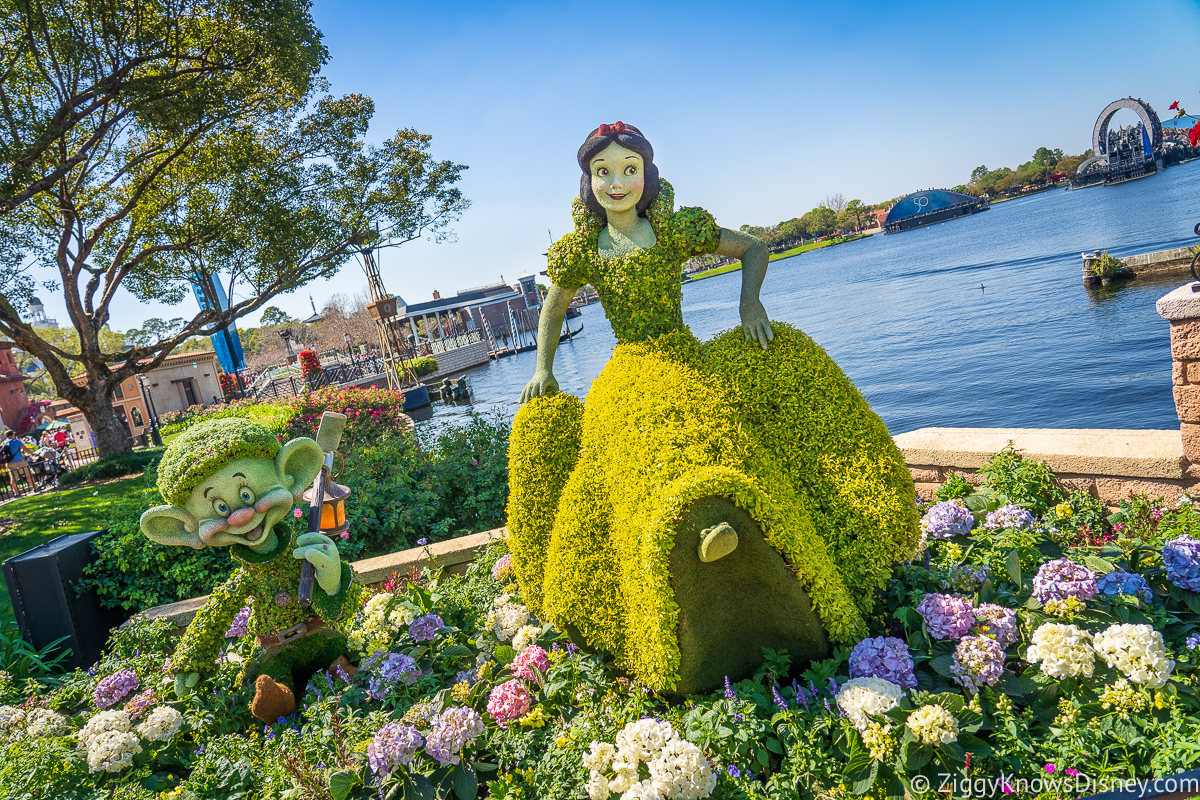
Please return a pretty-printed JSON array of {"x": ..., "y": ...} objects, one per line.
[
  {"x": 111, "y": 690},
  {"x": 502, "y": 569},
  {"x": 509, "y": 701},
  {"x": 532, "y": 656},
  {"x": 946, "y": 616}
]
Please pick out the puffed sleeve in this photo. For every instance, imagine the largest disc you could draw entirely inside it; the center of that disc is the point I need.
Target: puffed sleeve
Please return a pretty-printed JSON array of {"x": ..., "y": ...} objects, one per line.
[
  {"x": 568, "y": 263},
  {"x": 696, "y": 231}
]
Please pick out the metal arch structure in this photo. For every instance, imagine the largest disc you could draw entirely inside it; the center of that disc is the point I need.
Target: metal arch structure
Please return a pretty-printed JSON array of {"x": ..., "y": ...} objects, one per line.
[
  {"x": 1089, "y": 163},
  {"x": 1150, "y": 122}
]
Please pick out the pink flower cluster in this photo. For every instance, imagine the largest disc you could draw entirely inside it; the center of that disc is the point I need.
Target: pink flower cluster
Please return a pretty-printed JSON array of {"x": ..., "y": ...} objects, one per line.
[
  {"x": 114, "y": 688},
  {"x": 502, "y": 569},
  {"x": 532, "y": 657},
  {"x": 946, "y": 616},
  {"x": 509, "y": 701}
]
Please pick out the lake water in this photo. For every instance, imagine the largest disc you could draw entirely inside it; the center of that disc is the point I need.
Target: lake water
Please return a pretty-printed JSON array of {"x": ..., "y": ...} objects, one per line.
[{"x": 906, "y": 319}]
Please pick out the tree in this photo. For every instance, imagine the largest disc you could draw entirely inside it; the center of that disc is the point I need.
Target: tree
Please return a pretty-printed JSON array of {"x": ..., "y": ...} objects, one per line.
[
  {"x": 150, "y": 145},
  {"x": 978, "y": 173},
  {"x": 272, "y": 315},
  {"x": 836, "y": 203},
  {"x": 854, "y": 213},
  {"x": 822, "y": 221},
  {"x": 153, "y": 330},
  {"x": 1047, "y": 158}
]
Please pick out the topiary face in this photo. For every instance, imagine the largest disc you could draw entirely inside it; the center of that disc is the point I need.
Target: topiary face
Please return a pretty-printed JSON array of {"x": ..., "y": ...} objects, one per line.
[
  {"x": 229, "y": 482},
  {"x": 617, "y": 178}
]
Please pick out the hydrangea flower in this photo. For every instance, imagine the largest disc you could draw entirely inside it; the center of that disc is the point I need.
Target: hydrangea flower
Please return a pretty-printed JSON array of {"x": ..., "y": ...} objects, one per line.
[
  {"x": 1063, "y": 578},
  {"x": 140, "y": 703},
  {"x": 506, "y": 618},
  {"x": 111, "y": 690},
  {"x": 978, "y": 661},
  {"x": 532, "y": 657},
  {"x": 451, "y": 731},
  {"x": 424, "y": 629},
  {"x": 883, "y": 657},
  {"x": 947, "y": 519},
  {"x": 932, "y": 724},
  {"x": 11, "y": 718},
  {"x": 996, "y": 622},
  {"x": 1137, "y": 651},
  {"x": 502, "y": 570},
  {"x": 862, "y": 698},
  {"x": 509, "y": 701},
  {"x": 527, "y": 635},
  {"x": 387, "y": 672},
  {"x": 393, "y": 746},
  {"x": 1009, "y": 516},
  {"x": 964, "y": 579},
  {"x": 112, "y": 751},
  {"x": 240, "y": 627},
  {"x": 162, "y": 724},
  {"x": 679, "y": 769},
  {"x": 1121, "y": 582},
  {"x": 1181, "y": 556},
  {"x": 44, "y": 722},
  {"x": 380, "y": 620},
  {"x": 946, "y": 616},
  {"x": 1063, "y": 650}
]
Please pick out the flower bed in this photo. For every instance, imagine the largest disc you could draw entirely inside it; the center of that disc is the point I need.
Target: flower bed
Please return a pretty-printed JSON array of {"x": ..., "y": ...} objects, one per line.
[{"x": 1041, "y": 641}]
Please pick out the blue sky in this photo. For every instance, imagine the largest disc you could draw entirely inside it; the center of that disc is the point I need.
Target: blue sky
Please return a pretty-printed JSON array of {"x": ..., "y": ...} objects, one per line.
[{"x": 757, "y": 111}]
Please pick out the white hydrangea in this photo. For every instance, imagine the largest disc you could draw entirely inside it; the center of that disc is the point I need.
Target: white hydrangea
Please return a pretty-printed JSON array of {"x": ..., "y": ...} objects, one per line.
[
  {"x": 112, "y": 751},
  {"x": 932, "y": 724},
  {"x": 104, "y": 722},
  {"x": 597, "y": 787},
  {"x": 382, "y": 618},
  {"x": 161, "y": 725},
  {"x": 1063, "y": 650},
  {"x": 862, "y": 698},
  {"x": 526, "y": 636},
  {"x": 642, "y": 790},
  {"x": 599, "y": 756},
  {"x": 641, "y": 740},
  {"x": 681, "y": 772},
  {"x": 11, "y": 717},
  {"x": 1137, "y": 651},
  {"x": 510, "y": 618},
  {"x": 43, "y": 722}
]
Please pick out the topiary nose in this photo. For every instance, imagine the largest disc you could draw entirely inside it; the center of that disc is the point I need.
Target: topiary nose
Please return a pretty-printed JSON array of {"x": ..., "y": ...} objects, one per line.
[{"x": 240, "y": 517}]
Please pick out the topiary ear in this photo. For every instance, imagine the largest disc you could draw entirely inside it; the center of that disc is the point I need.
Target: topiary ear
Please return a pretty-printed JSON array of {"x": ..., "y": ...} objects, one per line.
[
  {"x": 298, "y": 463},
  {"x": 171, "y": 525}
]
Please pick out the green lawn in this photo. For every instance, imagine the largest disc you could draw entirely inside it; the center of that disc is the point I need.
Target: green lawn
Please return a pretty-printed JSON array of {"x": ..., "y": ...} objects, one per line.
[
  {"x": 29, "y": 521},
  {"x": 795, "y": 251}
]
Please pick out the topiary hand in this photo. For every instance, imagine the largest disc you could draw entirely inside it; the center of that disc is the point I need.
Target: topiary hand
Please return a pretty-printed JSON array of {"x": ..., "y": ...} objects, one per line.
[
  {"x": 184, "y": 683},
  {"x": 755, "y": 323},
  {"x": 541, "y": 384},
  {"x": 319, "y": 549}
]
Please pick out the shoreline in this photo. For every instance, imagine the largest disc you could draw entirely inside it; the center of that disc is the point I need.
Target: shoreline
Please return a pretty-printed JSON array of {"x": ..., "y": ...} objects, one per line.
[{"x": 795, "y": 251}]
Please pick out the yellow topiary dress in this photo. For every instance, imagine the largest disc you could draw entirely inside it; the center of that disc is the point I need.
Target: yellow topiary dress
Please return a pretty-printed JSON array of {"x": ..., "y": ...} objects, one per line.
[{"x": 607, "y": 500}]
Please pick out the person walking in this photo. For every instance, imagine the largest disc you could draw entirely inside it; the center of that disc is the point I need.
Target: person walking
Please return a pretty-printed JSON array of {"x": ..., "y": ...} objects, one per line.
[{"x": 14, "y": 458}]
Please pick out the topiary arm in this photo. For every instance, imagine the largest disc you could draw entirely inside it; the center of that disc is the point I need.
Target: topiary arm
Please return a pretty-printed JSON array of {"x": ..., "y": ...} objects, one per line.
[
  {"x": 344, "y": 604},
  {"x": 754, "y": 256},
  {"x": 550, "y": 324},
  {"x": 197, "y": 650}
]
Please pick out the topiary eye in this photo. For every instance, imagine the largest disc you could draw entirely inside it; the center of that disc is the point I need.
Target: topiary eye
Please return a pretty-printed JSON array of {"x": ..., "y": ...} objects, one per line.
[
  {"x": 247, "y": 496},
  {"x": 221, "y": 507}
]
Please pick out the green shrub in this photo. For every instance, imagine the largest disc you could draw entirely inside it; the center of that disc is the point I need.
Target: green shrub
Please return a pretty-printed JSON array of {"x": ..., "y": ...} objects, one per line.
[
  {"x": 1106, "y": 266},
  {"x": 954, "y": 488},
  {"x": 369, "y": 411},
  {"x": 424, "y": 366},
  {"x": 275, "y": 416},
  {"x": 1029, "y": 484},
  {"x": 113, "y": 466}
]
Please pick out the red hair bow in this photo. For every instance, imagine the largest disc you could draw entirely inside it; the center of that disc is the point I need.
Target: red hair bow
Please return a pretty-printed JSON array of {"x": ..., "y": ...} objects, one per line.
[{"x": 605, "y": 130}]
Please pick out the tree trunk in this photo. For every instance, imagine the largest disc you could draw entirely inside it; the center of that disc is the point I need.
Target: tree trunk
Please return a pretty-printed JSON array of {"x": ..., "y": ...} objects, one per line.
[{"x": 111, "y": 434}]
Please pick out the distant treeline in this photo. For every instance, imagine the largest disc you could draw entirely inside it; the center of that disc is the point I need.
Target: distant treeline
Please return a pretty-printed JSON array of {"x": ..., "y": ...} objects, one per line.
[{"x": 1037, "y": 171}]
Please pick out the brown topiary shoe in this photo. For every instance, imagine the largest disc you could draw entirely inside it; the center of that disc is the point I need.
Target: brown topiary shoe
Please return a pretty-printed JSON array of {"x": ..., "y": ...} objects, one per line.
[{"x": 272, "y": 700}]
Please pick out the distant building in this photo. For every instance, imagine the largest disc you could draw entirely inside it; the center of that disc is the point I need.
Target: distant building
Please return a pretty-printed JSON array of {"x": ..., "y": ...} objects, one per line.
[
  {"x": 506, "y": 309},
  {"x": 37, "y": 316},
  {"x": 930, "y": 207},
  {"x": 14, "y": 397}
]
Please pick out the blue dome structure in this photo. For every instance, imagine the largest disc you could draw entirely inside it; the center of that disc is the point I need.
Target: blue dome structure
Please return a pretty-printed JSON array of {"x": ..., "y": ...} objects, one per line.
[{"x": 930, "y": 206}]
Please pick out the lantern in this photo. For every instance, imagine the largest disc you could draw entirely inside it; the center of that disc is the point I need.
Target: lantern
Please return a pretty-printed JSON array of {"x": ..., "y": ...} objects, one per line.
[{"x": 333, "y": 508}]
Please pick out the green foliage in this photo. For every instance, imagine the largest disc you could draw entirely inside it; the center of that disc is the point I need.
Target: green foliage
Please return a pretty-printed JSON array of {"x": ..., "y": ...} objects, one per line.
[
  {"x": 424, "y": 366},
  {"x": 954, "y": 488},
  {"x": 368, "y": 410},
  {"x": 1106, "y": 266},
  {"x": 113, "y": 466},
  {"x": 22, "y": 661},
  {"x": 1029, "y": 484}
]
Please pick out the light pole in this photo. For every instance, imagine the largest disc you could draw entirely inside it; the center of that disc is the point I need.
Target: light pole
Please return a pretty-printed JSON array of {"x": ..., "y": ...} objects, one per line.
[
  {"x": 151, "y": 411},
  {"x": 286, "y": 335},
  {"x": 349, "y": 348}
]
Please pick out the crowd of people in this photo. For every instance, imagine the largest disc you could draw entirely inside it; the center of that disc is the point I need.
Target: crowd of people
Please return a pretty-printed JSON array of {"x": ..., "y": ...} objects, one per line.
[{"x": 36, "y": 462}]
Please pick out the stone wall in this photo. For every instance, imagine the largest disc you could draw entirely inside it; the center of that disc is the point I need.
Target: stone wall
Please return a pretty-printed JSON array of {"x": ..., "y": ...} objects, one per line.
[{"x": 453, "y": 362}]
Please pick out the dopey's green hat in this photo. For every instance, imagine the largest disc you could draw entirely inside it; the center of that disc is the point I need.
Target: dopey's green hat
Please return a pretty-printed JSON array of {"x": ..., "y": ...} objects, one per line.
[{"x": 205, "y": 448}]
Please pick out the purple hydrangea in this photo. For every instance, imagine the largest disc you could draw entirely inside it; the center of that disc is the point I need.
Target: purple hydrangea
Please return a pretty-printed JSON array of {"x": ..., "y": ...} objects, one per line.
[
  {"x": 1193, "y": 641},
  {"x": 502, "y": 569},
  {"x": 393, "y": 746},
  {"x": 1063, "y": 578},
  {"x": 996, "y": 622},
  {"x": 140, "y": 703},
  {"x": 947, "y": 519},
  {"x": 425, "y": 628},
  {"x": 978, "y": 661},
  {"x": 964, "y": 579},
  {"x": 240, "y": 626},
  {"x": 1181, "y": 557},
  {"x": 450, "y": 732},
  {"x": 946, "y": 616},
  {"x": 386, "y": 672},
  {"x": 1009, "y": 516},
  {"x": 883, "y": 657},
  {"x": 114, "y": 688},
  {"x": 1121, "y": 582}
]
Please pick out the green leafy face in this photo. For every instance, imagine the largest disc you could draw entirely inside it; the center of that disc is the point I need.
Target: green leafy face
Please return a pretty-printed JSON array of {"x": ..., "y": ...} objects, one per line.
[{"x": 240, "y": 504}]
